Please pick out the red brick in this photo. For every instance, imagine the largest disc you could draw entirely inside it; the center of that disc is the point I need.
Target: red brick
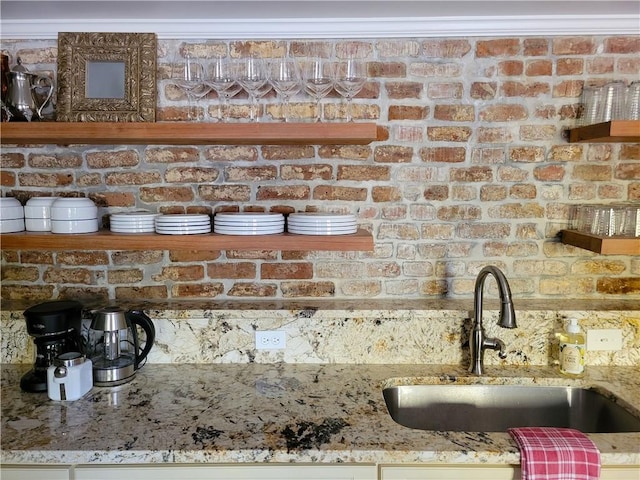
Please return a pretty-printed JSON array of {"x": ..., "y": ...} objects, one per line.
[
  {"x": 231, "y": 270},
  {"x": 404, "y": 90},
  {"x": 197, "y": 290},
  {"x": 55, "y": 160},
  {"x": 498, "y": 48},
  {"x": 253, "y": 290},
  {"x": 166, "y": 194},
  {"x": 442, "y": 90},
  {"x": 520, "y": 89},
  {"x": 600, "y": 65},
  {"x": 537, "y": 68},
  {"x": 436, "y": 192},
  {"x": 483, "y": 230},
  {"x": 443, "y": 154},
  {"x": 285, "y": 192},
  {"x": 231, "y": 153},
  {"x": 190, "y": 175},
  {"x": 45, "y": 179},
  {"x": 172, "y": 154},
  {"x": 225, "y": 193},
  {"x": 132, "y": 178},
  {"x": 449, "y": 134},
  {"x": 284, "y": 271},
  {"x": 393, "y": 154},
  {"x": 484, "y": 90},
  {"x": 471, "y": 174},
  {"x": 113, "y": 159},
  {"x": 622, "y": 45},
  {"x": 407, "y": 112},
  {"x": 385, "y": 194},
  {"x": 247, "y": 174},
  {"x": 363, "y": 172},
  {"x": 536, "y": 47},
  {"x": 327, "y": 192},
  {"x": 287, "y": 152},
  {"x": 454, "y": 113},
  {"x": 510, "y": 68},
  {"x": 345, "y": 152},
  {"x": 448, "y": 48},
  {"x": 627, "y": 171},
  {"x": 549, "y": 173},
  {"x": 308, "y": 289},
  {"x": 570, "y": 66},
  {"x": 306, "y": 172},
  {"x": 386, "y": 69},
  {"x": 526, "y": 154},
  {"x": 573, "y": 46},
  {"x": 503, "y": 113}
]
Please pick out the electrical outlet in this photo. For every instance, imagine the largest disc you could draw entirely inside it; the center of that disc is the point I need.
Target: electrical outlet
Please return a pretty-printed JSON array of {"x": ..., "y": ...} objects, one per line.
[
  {"x": 604, "y": 339},
  {"x": 270, "y": 339}
]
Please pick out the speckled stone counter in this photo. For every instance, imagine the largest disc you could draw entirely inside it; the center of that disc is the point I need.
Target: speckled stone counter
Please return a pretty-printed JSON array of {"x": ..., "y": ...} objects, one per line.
[{"x": 189, "y": 413}]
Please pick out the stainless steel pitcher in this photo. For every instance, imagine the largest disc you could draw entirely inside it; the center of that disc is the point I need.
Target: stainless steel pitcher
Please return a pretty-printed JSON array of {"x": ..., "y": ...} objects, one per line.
[{"x": 22, "y": 101}]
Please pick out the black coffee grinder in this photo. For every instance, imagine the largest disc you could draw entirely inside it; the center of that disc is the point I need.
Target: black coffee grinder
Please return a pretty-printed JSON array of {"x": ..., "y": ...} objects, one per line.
[{"x": 56, "y": 327}]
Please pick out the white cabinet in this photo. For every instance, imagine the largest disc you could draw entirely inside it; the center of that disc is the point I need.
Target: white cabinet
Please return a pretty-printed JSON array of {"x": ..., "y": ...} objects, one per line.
[
  {"x": 226, "y": 472},
  {"x": 35, "y": 472},
  {"x": 486, "y": 472}
]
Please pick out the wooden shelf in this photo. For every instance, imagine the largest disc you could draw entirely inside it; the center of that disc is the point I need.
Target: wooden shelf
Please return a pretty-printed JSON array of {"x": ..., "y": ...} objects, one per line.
[
  {"x": 607, "y": 132},
  {"x": 602, "y": 245},
  {"x": 362, "y": 240},
  {"x": 186, "y": 133}
]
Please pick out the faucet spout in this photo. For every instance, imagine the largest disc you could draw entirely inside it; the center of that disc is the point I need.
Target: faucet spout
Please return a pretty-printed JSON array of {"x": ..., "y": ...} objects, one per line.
[{"x": 478, "y": 342}]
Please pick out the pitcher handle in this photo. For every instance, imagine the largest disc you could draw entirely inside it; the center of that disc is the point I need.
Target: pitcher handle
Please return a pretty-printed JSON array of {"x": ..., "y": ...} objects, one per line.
[{"x": 50, "y": 81}]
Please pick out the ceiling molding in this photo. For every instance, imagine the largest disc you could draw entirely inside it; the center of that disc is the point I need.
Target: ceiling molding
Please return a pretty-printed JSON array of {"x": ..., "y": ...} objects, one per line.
[{"x": 294, "y": 28}]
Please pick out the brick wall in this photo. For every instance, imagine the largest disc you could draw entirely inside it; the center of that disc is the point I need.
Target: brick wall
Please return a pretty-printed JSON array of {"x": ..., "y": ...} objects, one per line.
[{"x": 473, "y": 169}]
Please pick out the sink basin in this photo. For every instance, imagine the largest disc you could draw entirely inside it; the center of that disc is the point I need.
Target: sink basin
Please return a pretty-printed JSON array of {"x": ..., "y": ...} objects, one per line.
[{"x": 495, "y": 408}]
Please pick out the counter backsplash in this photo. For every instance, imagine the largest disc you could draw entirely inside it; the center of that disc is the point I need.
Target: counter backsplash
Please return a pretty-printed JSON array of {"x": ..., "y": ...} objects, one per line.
[{"x": 433, "y": 335}]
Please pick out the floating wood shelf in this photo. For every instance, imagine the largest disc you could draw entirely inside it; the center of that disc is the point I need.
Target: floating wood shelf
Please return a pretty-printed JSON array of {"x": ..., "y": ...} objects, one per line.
[
  {"x": 602, "y": 245},
  {"x": 607, "y": 132},
  {"x": 186, "y": 133},
  {"x": 362, "y": 240}
]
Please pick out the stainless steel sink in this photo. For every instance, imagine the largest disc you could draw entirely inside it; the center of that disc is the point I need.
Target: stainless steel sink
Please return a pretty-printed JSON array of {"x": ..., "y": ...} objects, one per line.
[{"x": 495, "y": 408}]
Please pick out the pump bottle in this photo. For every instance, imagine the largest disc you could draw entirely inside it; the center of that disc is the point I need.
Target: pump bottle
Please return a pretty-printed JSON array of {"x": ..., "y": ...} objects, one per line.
[{"x": 572, "y": 350}]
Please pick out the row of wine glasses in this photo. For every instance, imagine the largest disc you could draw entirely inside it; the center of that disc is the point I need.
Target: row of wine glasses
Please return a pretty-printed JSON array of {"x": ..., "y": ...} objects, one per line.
[{"x": 317, "y": 76}]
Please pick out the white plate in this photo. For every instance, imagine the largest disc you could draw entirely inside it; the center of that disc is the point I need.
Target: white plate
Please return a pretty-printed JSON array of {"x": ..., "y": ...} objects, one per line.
[
  {"x": 248, "y": 231},
  {"x": 74, "y": 226},
  {"x": 131, "y": 222},
  {"x": 12, "y": 225},
  {"x": 183, "y": 217},
  {"x": 117, "y": 229},
  {"x": 245, "y": 216},
  {"x": 249, "y": 224},
  {"x": 181, "y": 231},
  {"x": 322, "y": 231},
  {"x": 323, "y": 223},
  {"x": 313, "y": 217}
]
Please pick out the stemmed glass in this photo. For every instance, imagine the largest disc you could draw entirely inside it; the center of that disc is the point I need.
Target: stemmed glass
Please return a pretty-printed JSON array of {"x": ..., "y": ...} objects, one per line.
[
  {"x": 284, "y": 77},
  {"x": 222, "y": 80},
  {"x": 317, "y": 80},
  {"x": 189, "y": 78},
  {"x": 350, "y": 76},
  {"x": 251, "y": 74}
]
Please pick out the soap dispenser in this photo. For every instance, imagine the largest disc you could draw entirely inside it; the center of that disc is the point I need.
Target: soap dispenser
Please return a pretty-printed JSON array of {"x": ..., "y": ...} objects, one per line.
[{"x": 572, "y": 350}]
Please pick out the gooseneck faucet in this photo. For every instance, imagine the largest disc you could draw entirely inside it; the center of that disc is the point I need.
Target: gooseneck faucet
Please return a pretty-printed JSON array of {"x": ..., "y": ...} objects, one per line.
[{"x": 478, "y": 342}]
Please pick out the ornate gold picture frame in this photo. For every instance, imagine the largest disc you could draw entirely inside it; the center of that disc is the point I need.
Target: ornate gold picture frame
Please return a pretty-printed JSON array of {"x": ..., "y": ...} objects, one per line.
[{"x": 106, "y": 77}]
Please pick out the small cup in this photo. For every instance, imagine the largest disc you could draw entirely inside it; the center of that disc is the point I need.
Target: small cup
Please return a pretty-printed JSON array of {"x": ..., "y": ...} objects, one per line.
[
  {"x": 632, "y": 104},
  {"x": 591, "y": 100}
]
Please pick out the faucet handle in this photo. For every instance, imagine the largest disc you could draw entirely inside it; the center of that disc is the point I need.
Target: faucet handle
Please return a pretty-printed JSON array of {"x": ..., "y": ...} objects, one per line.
[{"x": 496, "y": 344}]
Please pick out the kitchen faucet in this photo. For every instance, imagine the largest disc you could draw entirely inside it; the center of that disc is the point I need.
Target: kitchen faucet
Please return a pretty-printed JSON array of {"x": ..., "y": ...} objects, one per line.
[{"x": 477, "y": 340}]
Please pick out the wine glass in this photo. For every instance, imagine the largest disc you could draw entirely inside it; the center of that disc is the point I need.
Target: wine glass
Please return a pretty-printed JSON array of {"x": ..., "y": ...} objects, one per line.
[
  {"x": 284, "y": 77},
  {"x": 350, "y": 76},
  {"x": 317, "y": 80},
  {"x": 221, "y": 80},
  {"x": 189, "y": 77},
  {"x": 251, "y": 74}
]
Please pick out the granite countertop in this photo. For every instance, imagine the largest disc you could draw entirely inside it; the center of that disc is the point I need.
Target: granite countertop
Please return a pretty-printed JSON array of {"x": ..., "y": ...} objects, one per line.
[{"x": 185, "y": 413}]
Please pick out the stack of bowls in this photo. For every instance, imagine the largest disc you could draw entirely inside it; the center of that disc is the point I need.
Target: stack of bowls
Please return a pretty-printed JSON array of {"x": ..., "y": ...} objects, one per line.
[
  {"x": 37, "y": 214},
  {"x": 11, "y": 215},
  {"x": 74, "y": 215}
]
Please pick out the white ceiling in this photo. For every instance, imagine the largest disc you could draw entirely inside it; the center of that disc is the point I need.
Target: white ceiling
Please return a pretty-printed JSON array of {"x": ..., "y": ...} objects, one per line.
[{"x": 229, "y": 19}]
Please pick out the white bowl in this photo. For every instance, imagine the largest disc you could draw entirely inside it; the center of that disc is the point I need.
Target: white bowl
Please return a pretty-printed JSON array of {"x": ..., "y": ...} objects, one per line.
[
  {"x": 10, "y": 208},
  {"x": 12, "y": 225},
  {"x": 39, "y": 207},
  {"x": 37, "y": 224},
  {"x": 74, "y": 209},
  {"x": 74, "y": 226}
]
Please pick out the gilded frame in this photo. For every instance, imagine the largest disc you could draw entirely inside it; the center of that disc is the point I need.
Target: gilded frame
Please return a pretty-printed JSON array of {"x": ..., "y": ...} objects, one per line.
[{"x": 138, "y": 52}]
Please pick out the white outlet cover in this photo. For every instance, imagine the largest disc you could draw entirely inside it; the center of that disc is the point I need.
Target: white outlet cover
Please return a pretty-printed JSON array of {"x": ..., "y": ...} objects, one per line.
[
  {"x": 604, "y": 339},
  {"x": 270, "y": 339}
]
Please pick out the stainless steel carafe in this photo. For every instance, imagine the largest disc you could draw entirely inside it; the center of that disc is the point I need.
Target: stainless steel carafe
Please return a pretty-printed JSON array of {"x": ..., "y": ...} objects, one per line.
[
  {"x": 23, "y": 101},
  {"x": 114, "y": 345}
]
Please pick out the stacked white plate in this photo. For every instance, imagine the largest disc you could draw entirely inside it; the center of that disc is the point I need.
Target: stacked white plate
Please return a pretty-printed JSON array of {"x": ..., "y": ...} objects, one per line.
[
  {"x": 37, "y": 214},
  {"x": 248, "y": 223},
  {"x": 313, "y": 223},
  {"x": 11, "y": 215},
  {"x": 133, "y": 222},
  {"x": 183, "y": 224},
  {"x": 74, "y": 215}
]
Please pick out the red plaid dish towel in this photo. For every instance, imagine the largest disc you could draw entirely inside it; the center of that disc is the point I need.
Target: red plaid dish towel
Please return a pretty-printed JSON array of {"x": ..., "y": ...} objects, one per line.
[{"x": 549, "y": 453}]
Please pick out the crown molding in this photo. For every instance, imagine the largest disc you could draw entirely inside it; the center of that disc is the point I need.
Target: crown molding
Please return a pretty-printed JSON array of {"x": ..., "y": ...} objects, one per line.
[{"x": 352, "y": 28}]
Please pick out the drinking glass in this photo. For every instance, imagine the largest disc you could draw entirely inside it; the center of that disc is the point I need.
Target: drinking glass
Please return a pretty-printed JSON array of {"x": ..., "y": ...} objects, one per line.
[
  {"x": 591, "y": 100},
  {"x": 632, "y": 104},
  {"x": 189, "y": 77},
  {"x": 317, "y": 80},
  {"x": 613, "y": 98},
  {"x": 284, "y": 77},
  {"x": 251, "y": 74},
  {"x": 350, "y": 76},
  {"x": 221, "y": 80}
]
